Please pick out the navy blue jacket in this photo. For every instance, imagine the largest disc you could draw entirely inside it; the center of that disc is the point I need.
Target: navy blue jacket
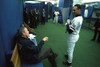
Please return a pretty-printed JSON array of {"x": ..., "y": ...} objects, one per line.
[
  {"x": 97, "y": 23},
  {"x": 28, "y": 51}
]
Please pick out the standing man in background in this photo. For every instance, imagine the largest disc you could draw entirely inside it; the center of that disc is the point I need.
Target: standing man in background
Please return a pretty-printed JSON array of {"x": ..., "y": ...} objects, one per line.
[
  {"x": 25, "y": 15},
  {"x": 56, "y": 13},
  {"x": 35, "y": 18},
  {"x": 31, "y": 18},
  {"x": 43, "y": 16},
  {"x": 73, "y": 36},
  {"x": 38, "y": 17},
  {"x": 96, "y": 29}
]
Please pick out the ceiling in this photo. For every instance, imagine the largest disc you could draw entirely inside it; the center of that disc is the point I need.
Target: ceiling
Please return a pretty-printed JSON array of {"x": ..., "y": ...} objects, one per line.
[{"x": 55, "y": 1}]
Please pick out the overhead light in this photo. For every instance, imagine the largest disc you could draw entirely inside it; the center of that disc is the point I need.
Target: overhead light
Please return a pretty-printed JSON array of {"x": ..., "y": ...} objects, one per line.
[
  {"x": 52, "y": 2},
  {"x": 31, "y": 2},
  {"x": 46, "y": 2},
  {"x": 88, "y": 1}
]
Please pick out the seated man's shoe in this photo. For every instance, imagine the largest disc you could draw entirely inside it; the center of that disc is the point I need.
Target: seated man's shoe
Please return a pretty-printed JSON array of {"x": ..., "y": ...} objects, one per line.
[
  {"x": 98, "y": 41},
  {"x": 92, "y": 39},
  {"x": 54, "y": 65},
  {"x": 66, "y": 63},
  {"x": 66, "y": 56}
]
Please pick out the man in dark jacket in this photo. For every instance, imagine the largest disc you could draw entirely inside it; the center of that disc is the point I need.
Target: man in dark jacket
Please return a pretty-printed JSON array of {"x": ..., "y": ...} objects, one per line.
[
  {"x": 31, "y": 54},
  {"x": 96, "y": 29},
  {"x": 25, "y": 15},
  {"x": 35, "y": 18},
  {"x": 31, "y": 18},
  {"x": 43, "y": 16}
]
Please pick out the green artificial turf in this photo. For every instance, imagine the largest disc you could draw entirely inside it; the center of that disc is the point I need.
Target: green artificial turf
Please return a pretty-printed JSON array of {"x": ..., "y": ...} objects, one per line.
[{"x": 86, "y": 53}]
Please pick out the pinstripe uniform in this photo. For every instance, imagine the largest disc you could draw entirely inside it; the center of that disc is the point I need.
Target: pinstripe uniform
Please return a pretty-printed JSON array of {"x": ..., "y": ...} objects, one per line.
[{"x": 73, "y": 37}]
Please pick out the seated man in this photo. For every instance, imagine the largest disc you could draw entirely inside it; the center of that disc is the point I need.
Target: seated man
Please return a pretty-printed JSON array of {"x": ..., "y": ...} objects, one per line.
[{"x": 31, "y": 54}]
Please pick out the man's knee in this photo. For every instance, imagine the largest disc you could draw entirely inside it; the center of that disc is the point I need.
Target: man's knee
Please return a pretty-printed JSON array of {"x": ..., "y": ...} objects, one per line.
[{"x": 48, "y": 49}]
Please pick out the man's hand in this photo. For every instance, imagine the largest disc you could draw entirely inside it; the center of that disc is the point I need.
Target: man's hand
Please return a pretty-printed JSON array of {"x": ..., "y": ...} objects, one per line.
[
  {"x": 65, "y": 23},
  {"x": 45, "y": 39},
  {"x": 93, "y": 28}
]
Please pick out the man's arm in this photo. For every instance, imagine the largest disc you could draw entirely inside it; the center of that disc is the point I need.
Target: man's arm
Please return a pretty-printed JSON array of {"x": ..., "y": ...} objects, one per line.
[
  {"x": 42, "y": 42},
  {"x": 35, "y": 49}
]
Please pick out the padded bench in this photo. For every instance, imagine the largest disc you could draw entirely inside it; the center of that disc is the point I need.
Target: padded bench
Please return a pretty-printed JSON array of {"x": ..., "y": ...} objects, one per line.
[
  {"x": 15, "y": 59},
  {"x": 35, "y": 65}
]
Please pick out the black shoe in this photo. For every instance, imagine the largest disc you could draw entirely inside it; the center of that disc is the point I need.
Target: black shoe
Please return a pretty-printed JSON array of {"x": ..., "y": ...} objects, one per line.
[
  {"x": 54, "y": 65},
  {"x": 92, "y": 39},
  {"x": 66, "y": 63},
  {"x": 98, "y": 41},
  {"x": 66, "y": 56}
]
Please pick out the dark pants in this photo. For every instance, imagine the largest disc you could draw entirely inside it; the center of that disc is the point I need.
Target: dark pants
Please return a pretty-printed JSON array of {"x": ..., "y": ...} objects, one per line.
[
  {"x": 95, "y": 34},
  {"x": 43, "y": 20},
  {"x": 47, "y": 53}
]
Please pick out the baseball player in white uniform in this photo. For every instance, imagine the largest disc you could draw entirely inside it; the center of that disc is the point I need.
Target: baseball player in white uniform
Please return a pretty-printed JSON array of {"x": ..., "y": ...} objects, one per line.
[
  {"x": 56, "y": 16},
  {"x": 73, "y": 36}
]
